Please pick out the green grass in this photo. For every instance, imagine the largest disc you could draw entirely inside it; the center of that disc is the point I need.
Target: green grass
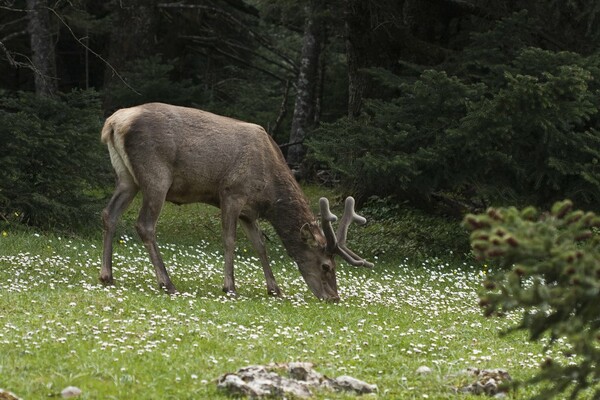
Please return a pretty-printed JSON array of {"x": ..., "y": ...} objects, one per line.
[{"x": 60, "y": 327}]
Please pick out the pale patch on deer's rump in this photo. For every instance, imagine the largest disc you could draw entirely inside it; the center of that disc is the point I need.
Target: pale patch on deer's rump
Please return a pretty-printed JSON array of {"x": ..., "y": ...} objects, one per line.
[
  {"x": 119, "y": 123},
  {"x": 120, "y": 159},
  {"x": 123, "y": 119},
  {"x": 116, "y": 161},
  {"x": 113, "y": 134}
]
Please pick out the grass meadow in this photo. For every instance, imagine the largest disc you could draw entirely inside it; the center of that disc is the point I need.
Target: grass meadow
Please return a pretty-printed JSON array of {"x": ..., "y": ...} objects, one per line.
[{"x": 60, "y": 327}]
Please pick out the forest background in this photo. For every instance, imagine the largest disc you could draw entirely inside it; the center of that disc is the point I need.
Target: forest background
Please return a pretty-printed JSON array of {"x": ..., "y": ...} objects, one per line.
[{"x": 427, "y": 109}]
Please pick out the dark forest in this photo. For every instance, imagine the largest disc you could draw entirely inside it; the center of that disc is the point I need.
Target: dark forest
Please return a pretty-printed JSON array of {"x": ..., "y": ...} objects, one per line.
[{"x": 449, "y": 106}]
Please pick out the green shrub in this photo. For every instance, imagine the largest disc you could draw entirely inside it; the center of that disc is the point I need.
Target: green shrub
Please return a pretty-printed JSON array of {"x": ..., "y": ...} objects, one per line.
[
  {"x": 398, "y": 147},
  {"x": 396, "y": 230},
  {"x": 548, "y": 269},
  {"x": 516, "y": 125},
  {"x": 52, "y": 159}
]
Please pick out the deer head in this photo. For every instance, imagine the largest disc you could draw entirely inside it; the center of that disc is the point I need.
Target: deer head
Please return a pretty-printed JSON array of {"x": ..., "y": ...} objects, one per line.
[{"x": 323, "y": 245}]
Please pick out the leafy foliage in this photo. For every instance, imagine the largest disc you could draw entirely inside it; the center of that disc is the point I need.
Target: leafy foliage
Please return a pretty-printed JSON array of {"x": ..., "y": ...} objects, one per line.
[
  {"x": 531, "y": 137},
  {"x": 395, "y": 148},
  {"x": 150, "y": 80},
  {"x": 548, "y": 269},
  {"x": 396, "y": 230},
  {"x": 52, "y": 160},
  {"x": 154, "y": 79}
]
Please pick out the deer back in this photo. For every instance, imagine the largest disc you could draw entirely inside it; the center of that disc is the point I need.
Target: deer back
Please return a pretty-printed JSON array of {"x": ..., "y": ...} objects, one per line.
[{"x": 200, "y": 155}]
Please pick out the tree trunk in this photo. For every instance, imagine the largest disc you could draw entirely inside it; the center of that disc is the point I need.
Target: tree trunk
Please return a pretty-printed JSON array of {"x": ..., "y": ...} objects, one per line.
[
  {"x": 357, "y": 22},
  {"x": 306, "y": 85},
  {"x": 42, "y": 48},
  {"x": 132, "y": 38},
  {"x": 378, "y": 34}
]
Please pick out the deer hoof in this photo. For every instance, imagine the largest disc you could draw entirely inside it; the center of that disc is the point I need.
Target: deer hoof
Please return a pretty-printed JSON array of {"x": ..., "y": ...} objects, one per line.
[
  {"x": 106, "y": 280},
  {"x": 169, "y": 288},
  {"x": 229, "y": 291}
]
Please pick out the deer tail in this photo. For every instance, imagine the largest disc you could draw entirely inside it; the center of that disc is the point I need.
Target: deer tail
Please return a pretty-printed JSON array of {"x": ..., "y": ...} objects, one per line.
[
  {"x": 107, "y": 131},
  {"x": 116, "y": 149}
]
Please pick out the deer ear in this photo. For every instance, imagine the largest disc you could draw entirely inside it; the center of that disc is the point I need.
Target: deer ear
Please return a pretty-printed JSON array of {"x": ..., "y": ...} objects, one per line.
[{"x": 308, "y": 236}]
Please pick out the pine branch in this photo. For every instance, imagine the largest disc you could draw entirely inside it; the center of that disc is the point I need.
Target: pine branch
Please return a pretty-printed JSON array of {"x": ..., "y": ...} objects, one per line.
[
  {"x": 282, "y": 109},
  {"x": 14, "y": 21},
  {"x": 232, "y": 19},
  {"x": 283, "y": 146},
  {"x": 468, "y": 8},
  {"x": 211, "y": 42},
  {"x": 245, "y": 62},
  {"x": 85, "y": 46},
  {"x": 9, "y": 56}
]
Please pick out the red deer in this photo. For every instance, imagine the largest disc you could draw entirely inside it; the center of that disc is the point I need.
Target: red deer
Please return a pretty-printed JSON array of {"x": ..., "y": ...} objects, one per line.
[{"x": 184, "y": 155}]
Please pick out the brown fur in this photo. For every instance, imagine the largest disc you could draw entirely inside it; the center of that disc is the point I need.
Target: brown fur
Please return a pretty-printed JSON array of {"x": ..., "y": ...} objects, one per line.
[{"x": 184, "y": 155}]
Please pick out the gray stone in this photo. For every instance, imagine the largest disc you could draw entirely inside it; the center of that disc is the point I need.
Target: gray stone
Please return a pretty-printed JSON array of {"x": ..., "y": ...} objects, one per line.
[
  {"x": 6, "y": 395},
  {"x": 70, "y": 392},
  {"x": 257, "y": 381},
  {"x": 234, "y": 385},
  {"x": 350, "y": 384},
  {"x": 491, "y": 382},
  {"x": 303, "y": 371},
  {"x": 423, "y": 370}
]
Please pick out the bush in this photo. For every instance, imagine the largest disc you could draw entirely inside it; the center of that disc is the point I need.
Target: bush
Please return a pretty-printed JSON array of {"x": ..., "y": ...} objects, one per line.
[
  {"x": 514, "y": 127},
  {"x": 52, "y": 159},
  {"x": 396, "y": 230},
  {"x": 391, "y": 149},
  {"x": 548, "y": 269}
]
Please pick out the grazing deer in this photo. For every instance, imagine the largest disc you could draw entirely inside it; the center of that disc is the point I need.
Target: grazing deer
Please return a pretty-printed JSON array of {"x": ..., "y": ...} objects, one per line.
[{"x": 184, "y": 155}]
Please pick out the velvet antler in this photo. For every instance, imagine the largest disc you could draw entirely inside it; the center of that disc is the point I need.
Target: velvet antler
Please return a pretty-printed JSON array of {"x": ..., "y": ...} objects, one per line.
[{"x": 336, "y": 242}]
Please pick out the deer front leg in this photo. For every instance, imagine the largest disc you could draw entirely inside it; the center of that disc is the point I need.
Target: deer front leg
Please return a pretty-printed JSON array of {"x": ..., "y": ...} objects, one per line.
[
  {"x": 146, "y": 227},
  {"x": 230, "y": 211},
  {"x": 254, "y": 234},
  {"x": 119, "y": 202}
]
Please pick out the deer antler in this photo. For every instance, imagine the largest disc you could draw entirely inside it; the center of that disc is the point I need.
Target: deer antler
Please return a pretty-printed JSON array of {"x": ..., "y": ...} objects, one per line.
[
  {"x": 336, "y": 242},
  {"x": 327, "y": 217}
]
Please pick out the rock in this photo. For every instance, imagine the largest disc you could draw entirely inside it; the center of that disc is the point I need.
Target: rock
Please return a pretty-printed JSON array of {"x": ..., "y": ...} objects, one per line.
[
  {"x": 350, "y": 384},
  {"x": 234, "y": 385},
  {"x": 267, "y": 387},
  {"x": 303, "y": 371},
  {"x": 70, "y": 392},
  {"x": 6, "y": 395},
  {"x": 251, "y": 372},
  {"x": 492, "y": 382},
  {"x": 473, "y": 388},
  {"x": 256, "y": 381},
  {"x": 490, "y": 387},
  {"x": 423, "y": 370}
]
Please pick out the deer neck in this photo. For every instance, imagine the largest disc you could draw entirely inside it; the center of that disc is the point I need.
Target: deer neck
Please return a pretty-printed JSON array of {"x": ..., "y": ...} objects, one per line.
[{"x": 288, "y": 214}]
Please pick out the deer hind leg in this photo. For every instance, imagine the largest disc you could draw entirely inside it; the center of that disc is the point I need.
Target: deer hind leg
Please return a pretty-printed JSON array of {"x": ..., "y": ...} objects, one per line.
[
  {"x": 121, "y": 199},
  {"x": 146, "y": 227},
  {"x": 256, "y": 238}
]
